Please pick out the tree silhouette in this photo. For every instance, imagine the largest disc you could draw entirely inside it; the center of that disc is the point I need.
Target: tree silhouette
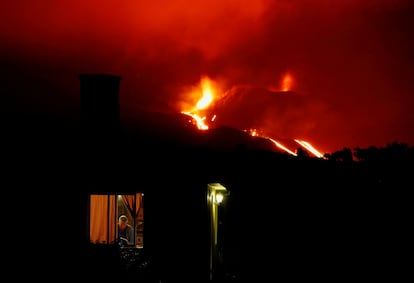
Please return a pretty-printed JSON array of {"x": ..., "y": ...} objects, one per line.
[
  {"x": 343, "y": 155},
  {"x": 301, "y": 153}
]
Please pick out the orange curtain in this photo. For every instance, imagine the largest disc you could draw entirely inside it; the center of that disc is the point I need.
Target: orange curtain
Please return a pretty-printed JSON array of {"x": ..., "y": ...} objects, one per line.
[
  {"x": 102, "y": 225},
  {"x": 133, "y": 208}
]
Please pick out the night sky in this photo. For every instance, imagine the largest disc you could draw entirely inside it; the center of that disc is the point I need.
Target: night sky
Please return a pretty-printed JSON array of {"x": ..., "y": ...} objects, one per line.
[{"x": 351, "y": 61}]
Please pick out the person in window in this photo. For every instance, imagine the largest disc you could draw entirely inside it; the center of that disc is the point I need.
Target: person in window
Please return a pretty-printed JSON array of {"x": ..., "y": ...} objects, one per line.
[{"x": 126, "y": 232}]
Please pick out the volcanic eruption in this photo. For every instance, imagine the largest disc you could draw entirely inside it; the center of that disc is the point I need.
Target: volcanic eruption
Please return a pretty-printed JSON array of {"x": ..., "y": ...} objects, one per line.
[{"x": 259, "y": 112}]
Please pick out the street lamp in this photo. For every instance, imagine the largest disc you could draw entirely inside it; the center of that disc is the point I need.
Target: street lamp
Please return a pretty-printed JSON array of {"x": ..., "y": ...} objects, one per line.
[{"x": 215, "y": 196}]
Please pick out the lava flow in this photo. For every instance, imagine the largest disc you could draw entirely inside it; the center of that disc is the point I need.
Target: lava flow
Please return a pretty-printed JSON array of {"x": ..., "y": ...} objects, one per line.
[{"x": 208, "y": 92}]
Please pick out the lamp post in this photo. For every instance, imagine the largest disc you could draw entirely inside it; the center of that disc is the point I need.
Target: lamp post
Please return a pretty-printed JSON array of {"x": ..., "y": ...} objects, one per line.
[{"x": 215, "y": 196}]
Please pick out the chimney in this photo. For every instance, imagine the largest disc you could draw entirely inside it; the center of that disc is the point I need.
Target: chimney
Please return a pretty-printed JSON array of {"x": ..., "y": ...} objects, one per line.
[{"x": 99, "y": 98}]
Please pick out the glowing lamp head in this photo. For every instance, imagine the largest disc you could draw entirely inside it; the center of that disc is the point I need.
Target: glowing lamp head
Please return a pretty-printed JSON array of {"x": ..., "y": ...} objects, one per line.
[
  {"x": 219, "y": 198},
  {"x": 216, "y": 193}
]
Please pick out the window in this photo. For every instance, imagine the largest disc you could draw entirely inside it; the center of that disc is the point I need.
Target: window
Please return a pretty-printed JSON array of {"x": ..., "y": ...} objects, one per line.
[{"x": 104, "y": 212}]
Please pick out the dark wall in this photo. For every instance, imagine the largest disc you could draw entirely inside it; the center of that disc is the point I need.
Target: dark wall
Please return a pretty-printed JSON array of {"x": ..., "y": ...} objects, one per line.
[{"x": 99, "y": 98}]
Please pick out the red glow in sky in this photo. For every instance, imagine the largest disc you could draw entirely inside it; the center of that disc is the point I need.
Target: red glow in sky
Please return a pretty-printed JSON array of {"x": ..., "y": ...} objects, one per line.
[{"x": 351, "y": 61}]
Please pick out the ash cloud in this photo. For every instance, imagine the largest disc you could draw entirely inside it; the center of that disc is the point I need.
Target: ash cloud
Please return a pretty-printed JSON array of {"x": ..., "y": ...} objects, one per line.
[{"x": 353, "y": 59}]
